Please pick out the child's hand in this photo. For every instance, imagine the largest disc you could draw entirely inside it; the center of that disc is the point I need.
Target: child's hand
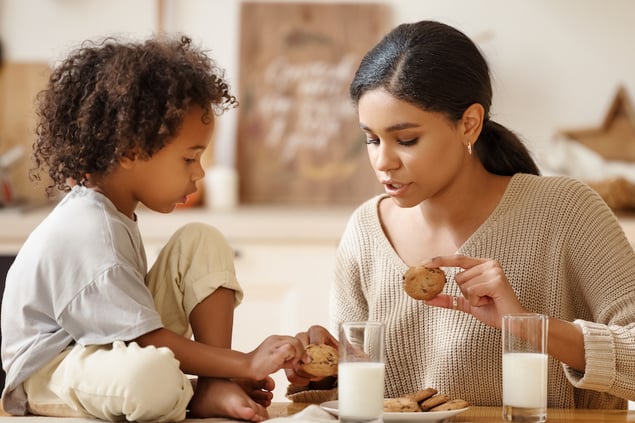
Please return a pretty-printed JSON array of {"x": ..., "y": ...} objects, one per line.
[
  {"x": 315, "y": 335},
  {"x": 275, "y": 353}
]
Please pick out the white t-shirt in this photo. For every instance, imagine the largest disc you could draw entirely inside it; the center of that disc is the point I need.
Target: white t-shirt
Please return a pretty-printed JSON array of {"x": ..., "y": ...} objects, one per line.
[{"x": 79, "y": 278}]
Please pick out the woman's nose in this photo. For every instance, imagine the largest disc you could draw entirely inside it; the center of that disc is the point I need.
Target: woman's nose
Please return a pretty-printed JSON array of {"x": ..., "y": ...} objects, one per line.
[{"x": 384, "y": 159}]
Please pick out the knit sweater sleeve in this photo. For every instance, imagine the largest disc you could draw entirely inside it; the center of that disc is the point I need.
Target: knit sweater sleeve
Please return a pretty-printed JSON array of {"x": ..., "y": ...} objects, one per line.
[{"x": 603, "y": 265}]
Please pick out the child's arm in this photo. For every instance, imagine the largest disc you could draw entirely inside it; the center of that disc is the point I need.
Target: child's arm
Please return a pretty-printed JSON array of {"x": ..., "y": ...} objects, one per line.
[{"x": 274, "y": 353}]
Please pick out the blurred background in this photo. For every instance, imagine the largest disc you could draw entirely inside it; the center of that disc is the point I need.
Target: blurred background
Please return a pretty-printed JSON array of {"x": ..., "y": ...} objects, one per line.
[{"x": 556, "y": 65}]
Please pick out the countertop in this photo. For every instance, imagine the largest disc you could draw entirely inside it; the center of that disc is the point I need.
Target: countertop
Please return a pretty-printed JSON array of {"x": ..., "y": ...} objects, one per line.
[{"x": 316, "y": 225}]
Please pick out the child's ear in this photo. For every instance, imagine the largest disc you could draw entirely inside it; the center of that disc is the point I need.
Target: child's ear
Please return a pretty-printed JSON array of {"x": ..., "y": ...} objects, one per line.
[{"x": 128, "y": 161}]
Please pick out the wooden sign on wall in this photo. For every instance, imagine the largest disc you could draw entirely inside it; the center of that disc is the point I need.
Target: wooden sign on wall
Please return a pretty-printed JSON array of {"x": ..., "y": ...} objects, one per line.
[
  {"x": 299, "y": 140},
  {"x": 19, "y": 85}
]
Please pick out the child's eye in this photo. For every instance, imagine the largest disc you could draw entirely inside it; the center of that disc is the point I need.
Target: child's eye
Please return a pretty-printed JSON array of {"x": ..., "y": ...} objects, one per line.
[{"x": 188, "y": 160}]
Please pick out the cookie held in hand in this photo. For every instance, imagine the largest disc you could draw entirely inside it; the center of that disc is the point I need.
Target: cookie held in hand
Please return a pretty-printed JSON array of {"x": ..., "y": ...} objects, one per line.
[
  {"x": 423, "y": 283},
  {"x": 323, "y": 360}
]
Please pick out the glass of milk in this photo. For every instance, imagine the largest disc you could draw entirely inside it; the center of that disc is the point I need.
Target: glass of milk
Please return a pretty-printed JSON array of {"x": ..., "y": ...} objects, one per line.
[
  {"x": 525, "y": 367},
  {"x": 361, "y": 372}
]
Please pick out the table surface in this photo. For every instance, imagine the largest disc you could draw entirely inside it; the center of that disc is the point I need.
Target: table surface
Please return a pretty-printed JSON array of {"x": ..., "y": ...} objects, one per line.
[
  {"x": 493, "y": 414},
  {"x": 473, "y": 415}
]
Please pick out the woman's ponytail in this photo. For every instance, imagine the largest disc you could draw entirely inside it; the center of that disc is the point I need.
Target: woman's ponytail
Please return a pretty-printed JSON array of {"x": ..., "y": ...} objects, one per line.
[{"x": 502, "y": 152}]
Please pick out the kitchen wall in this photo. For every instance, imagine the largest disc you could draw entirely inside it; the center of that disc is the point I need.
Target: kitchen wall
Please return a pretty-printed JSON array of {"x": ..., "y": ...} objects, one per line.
[{"x": 556, "y": 63}]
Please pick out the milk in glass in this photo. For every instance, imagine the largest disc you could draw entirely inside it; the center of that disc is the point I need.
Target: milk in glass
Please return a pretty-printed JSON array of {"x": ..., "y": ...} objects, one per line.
[
  {"x": 524, "y": 380},
  {"x": 525, "y": 363},
  {"x": 361, "y": 372},
  {"x": 361, "y": 390}
]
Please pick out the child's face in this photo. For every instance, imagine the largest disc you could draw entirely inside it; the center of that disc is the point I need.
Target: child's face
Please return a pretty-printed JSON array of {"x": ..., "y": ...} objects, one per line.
[{"x": 170, "y": 175}]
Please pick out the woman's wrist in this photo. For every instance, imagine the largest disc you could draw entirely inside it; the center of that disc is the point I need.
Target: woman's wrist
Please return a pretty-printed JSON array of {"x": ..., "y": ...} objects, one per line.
[{"x": 566, "y": 343}]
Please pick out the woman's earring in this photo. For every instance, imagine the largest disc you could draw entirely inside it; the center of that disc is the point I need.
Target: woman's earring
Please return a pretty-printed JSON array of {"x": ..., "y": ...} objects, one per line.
[{"x": 469, "y": 148}]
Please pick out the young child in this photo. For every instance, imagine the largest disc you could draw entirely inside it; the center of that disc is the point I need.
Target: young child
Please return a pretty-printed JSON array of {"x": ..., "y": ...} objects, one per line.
[{"x": 86, "y": 330}]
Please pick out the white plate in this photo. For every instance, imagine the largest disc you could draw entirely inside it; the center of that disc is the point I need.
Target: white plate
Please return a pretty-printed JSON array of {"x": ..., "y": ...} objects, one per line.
[{"x": 424, "y": 416}]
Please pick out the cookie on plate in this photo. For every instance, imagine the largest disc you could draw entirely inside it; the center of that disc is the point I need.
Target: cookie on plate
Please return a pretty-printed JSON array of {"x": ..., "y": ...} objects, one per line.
[
  {"x": 422, "y": 394},
  {"x": 434, "y": 401},
  {"x": 323, "y": 360},
  {"x": 401, "y": 405},
  {"x": 455, "y": 404},
  {"x": 423, "y": 283}
]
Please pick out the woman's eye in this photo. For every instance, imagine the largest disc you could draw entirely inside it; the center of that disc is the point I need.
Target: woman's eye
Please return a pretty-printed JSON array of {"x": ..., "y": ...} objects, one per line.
[
  {"x": 413, "y": 141},
  {"x": 409, "y": 142},
  {"x": 188, "y": 160}
]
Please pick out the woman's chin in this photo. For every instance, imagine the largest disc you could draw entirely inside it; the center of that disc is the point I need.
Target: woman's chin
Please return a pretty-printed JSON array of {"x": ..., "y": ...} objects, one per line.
[{"x": 404, "y": 203}]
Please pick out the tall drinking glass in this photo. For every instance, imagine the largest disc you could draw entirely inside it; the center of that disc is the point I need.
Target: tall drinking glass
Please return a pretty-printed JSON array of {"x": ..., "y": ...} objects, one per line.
[
  {"x": 525, "y": 367},
  {"x": 361, "y": 372}
]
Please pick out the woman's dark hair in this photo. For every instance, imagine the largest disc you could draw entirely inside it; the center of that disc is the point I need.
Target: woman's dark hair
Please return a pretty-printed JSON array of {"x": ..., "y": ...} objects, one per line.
[
  {"x": 110, "y": 99},
  {"x": 439, "y": 69}
]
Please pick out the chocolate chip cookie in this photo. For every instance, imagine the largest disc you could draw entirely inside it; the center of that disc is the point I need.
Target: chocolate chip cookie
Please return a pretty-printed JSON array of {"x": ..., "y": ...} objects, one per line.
[
  {"x": 423, "y": 283},
  {"x": 323, "y": 360}
]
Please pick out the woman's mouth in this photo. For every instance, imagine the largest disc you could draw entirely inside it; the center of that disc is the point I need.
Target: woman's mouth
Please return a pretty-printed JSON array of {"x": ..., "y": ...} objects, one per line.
[{"x": 395, "y": 188}]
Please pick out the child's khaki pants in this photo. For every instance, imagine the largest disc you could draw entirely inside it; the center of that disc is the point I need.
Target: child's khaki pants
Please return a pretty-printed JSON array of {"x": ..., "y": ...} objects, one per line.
[{"x": 123, "y": 381}]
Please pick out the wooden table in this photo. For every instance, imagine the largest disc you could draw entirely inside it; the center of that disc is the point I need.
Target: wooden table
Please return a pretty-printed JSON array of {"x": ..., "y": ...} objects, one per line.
[
  {"x": 473, "y": 415},
  {"x": 493, "y": 414}
]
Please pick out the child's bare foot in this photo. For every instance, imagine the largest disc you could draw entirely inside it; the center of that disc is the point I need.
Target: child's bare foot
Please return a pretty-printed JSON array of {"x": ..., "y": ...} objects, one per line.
[
  {"x": 224, "y": 398},
  {"x": 258, "y": 390}
]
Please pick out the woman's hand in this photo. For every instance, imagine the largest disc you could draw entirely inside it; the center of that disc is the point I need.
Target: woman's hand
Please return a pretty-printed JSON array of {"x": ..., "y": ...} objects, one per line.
[
  {"x": 315, "y": 335},
  {"x": 487, "y": 294}
]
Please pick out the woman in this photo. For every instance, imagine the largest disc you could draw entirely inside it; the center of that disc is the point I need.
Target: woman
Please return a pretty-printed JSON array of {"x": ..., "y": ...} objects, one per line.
[{"x": 463, "y": 193}]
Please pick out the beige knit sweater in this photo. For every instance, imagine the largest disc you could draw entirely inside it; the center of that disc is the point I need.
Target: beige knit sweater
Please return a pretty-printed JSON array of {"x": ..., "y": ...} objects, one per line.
[{"x": 565, "y": 255}]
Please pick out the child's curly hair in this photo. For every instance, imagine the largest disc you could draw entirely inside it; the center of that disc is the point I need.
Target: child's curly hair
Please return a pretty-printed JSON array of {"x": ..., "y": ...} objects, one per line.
[{"x": 112, "y": 99}]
